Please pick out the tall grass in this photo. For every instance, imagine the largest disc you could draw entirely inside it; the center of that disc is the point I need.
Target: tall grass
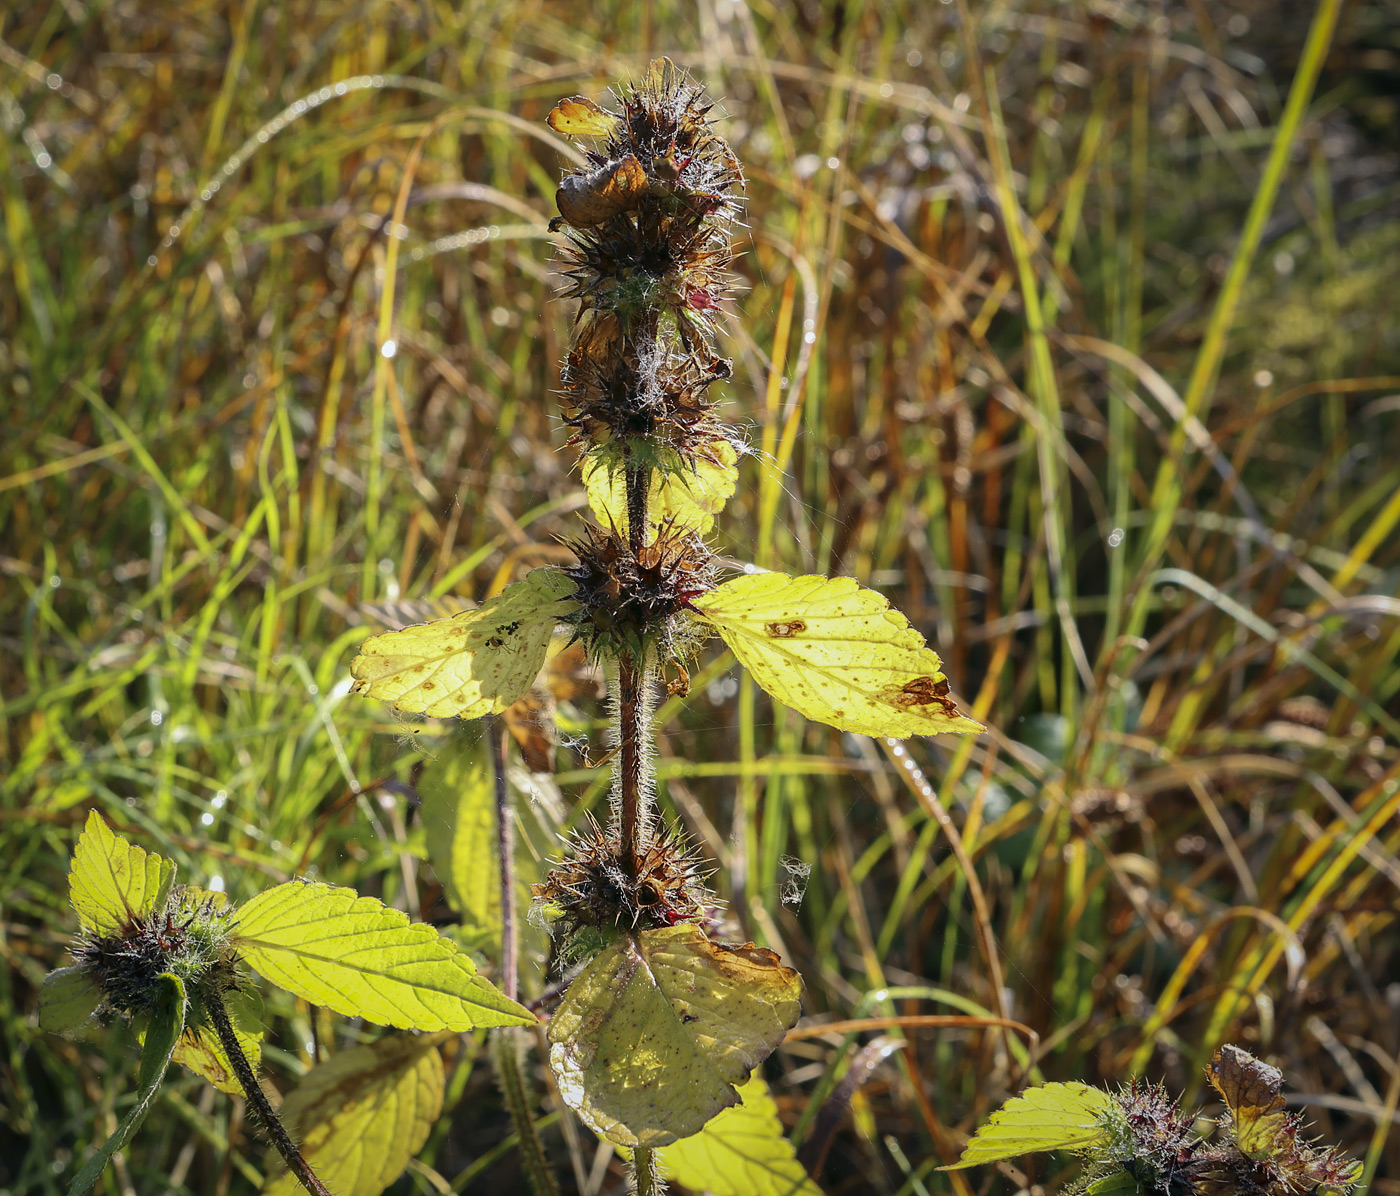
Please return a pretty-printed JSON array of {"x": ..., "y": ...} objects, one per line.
[{"x": 1073, "y": 330}]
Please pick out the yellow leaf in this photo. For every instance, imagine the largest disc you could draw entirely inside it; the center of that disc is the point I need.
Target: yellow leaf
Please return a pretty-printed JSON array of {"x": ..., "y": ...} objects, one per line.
[
  {"x": 361, "y": 1117},
  {"x": 1070, "y": 1116},
  {"x": 834, "y": 652},
  {"x": 579, "y": 116},
  {"x": 200, "y": 1050},
  {"x": 741, "y": 1152},
  {"x": 113, "y": 882},
  {"x": 1252, "y": 1091},
  {"x": 475, "y": 663},
  {"x": 654, "y": 1033},
  {"x": 688, "y": 496}
]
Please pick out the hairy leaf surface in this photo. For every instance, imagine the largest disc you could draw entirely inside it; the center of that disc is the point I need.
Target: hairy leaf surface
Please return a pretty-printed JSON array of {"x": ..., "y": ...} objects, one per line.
[
  {"x": 741, "y": 1152},
  {"x": 834, "y": 652},
  {"x": 356, "y": 956},
  {"x": 1253, "y": 1092},
  {"x": 360, "y": 1117},
  {"x": 474, "y": 663},
  {"x": 67, "y": 1000},
  {"x": 687, "y": 497}
]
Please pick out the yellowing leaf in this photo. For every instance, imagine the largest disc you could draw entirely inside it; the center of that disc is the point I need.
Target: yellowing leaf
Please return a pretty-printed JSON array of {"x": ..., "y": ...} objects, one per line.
[
  {"x": 1252, "y": 1091},
  {"x": 1069, "y": 1116},
  {"x": 361, "y": 1117},
  {"x": 112, "y": 882},
  {"x": 834, "y": 652},
  {"x": 474, "y": 663},
  {"x": 579, "y": 116},
  {"x": 356, "y": 956},
  {"x": 590, "y": 197},
  {"x": 67, "y": 1000},
  {"x": 653, "y": 1034},
  {"x": 741, "y": 1152},
  {"x": 200, "y": 1050},
  {"x": 688, "y": 496}
]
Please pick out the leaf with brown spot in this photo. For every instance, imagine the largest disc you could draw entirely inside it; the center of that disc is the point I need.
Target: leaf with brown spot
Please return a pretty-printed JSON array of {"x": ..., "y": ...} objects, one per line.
[
  {"x": 1252, "y": 1091},
  {"x": 835, "y": 652},
  {"x": 475, "y": 663}
]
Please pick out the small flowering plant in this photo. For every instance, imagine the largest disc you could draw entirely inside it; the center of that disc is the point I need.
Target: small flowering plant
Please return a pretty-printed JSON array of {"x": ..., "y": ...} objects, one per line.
[
  {"x": 1138, "y": 1142},
  {"x": 656, "y": 1033},
  {"x": 175, "y": 960}
]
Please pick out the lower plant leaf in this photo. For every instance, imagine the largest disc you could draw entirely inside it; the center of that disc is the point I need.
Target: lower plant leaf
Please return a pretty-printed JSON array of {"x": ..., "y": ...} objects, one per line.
[
  {"x": 361, "y": 1117},
  {"x": 741, "y": 1152}
]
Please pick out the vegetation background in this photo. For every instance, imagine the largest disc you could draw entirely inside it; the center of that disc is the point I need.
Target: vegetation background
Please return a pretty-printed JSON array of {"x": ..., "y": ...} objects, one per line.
[{"x": 1037, "y": 338}]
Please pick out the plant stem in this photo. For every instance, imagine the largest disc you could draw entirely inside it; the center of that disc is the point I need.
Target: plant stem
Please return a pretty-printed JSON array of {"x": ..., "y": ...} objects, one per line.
[
  {"x": 257, "y": 1099},
  {"x": 505, "y": 849},
  {"x": 649, "y": 1183},
  {"x": 633, "y": 784},
  {"x": 506, "y": 1046}
]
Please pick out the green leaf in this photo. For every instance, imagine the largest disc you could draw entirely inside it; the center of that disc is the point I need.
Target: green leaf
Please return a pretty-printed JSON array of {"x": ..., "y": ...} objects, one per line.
[
  {"x": 834, "y": 652},
  {"x": 1071, "y": 1116},
  {"x": 653, "y": 1034},
  {"x": 112, "y": 882},
  {"x": 741, "y": 1152},
  {"x": 458, "y": 792},
  {"x": 361, "y": 1117},
  {"x": 67, "y": 1000},
  {"x": 475, "y": 663},
  {"x": 1115, "y": 1183},
  {"x": 167, "y": 1020},
  {"x": 354, "y": 955}
]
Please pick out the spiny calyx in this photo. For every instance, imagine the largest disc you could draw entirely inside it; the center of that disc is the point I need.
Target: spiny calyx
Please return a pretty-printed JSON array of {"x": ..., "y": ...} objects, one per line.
[{"x": 596, "y": 884}]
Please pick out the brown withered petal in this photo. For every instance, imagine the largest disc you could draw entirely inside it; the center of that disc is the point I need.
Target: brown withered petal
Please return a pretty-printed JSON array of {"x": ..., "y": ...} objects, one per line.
[{"x": 595, "y": 196}]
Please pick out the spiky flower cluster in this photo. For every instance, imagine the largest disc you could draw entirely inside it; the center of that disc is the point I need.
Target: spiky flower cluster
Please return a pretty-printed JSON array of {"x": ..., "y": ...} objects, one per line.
[
  {"x": 594, "y": 883},
  {"x": 1157, "y": 1145},
  {"x": 648, "y": 222},
  {"x": 189, "y": 937}
]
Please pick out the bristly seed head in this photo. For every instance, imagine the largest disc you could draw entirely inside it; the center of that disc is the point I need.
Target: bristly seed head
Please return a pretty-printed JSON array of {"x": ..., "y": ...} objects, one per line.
[
  {"x": 593, "y": 884},
  {"x": 627, "y": 601},
  {"x": 189, "y": 937}
]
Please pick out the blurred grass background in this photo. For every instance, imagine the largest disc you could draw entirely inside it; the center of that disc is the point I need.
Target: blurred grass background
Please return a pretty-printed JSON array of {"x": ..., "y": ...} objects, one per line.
[{"x": 1062, "y": 326}]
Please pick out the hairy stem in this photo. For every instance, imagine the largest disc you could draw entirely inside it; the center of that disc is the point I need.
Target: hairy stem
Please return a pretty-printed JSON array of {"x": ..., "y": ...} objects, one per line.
[
  {"x": 634, "y": 676},
  {"x": 506, "y": 1047},
  {"x": 649, "y": 1182},
  {"x": 257, "y": 1099},
  {"x": 638, "y": 486},
  {"x": 505, "y": 849}
]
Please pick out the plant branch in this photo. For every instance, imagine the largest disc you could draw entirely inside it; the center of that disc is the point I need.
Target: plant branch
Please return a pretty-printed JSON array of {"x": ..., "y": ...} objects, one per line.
[
  {"x": 213, "y": 1003},
  {"x": 649, "y": 1182},
  {"x": 506, "y": 1046},
  {"x": 634, "y": 676},
  {"x": 505, "y": 849}
]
